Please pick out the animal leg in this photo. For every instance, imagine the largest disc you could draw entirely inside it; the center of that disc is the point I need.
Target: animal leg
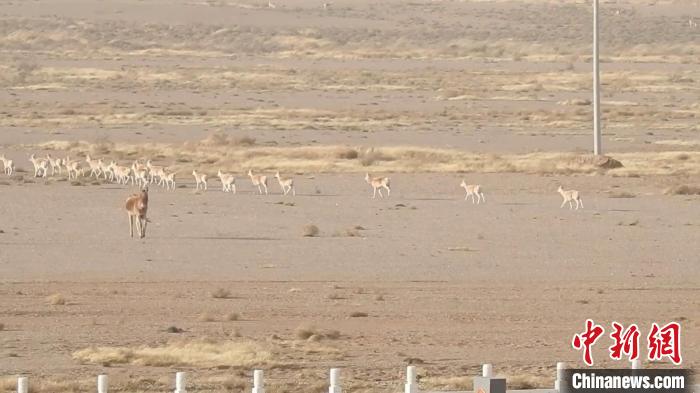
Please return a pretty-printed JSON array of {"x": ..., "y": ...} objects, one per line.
[
  {"x": 143, "y": 227},
  {"x": 374, "y": 195},
  {"x": 131, "y": 225},
  {"x": 581, "y": 200}
]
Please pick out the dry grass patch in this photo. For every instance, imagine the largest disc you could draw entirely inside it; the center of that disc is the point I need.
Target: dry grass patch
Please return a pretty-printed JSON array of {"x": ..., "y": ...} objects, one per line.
[
  {"x": 198, "y": 353},
  {"x": 358, "y": 314},
  {"x": 310, "y": 230},
  {"x": 221, "y": 293},
  {"x": 683, "y": 189},
  {"x": 2, "y": 327},
  {"x": 447, "y": 383},
  {"x": 405, "y": 159},
  {"x": 526, "y": 381},
  {"x": 56, "y": 299},
  {"x": 232, "y": 316},
  {"x": 310, "y": 332}
]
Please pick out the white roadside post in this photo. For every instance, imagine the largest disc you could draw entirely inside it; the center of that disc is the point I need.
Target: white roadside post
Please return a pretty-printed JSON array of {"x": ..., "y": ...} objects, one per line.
[
  {"x": 258, "y": 383},
  {"x": 335, "y": 381},
  {"x": 487, "y": 370},
  {"x": 22, "y": 385},
  {"x": 411, "y": 385},
  {"x": 102, "y": 383},
  {"x": 561, "y": 367},
  {"x": 180, "y": 382},
  {"x": 486, "y": 382}
]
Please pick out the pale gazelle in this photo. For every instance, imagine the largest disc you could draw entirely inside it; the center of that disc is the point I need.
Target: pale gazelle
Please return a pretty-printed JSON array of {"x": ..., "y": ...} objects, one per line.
[
  {"x": 140, "y": 176},
  {"x": 569, "y": 196},
  {"x": 473, "y": 190},
  {"x": 136, "y": 208},
  {"x": 200, "y": 179},
  {"x": 154, "y": 172},
  {"x": 168, "y": 181},
  {"x": 122, "y": 174},
  {"x": 55, "y": 164},
  {"x": 259, "y": 181},
  {"x": 228, "y": 181},
  {"x": 95, "y": 166},
  {"x": 8, "y": 165},
  {"x": 377, "y": 184},
  {"x": 41, "y": 166},
  {"x": 108, "y": 171},
  {"x": 286, "y": 183},
  {"x": 73, "y": 168}
]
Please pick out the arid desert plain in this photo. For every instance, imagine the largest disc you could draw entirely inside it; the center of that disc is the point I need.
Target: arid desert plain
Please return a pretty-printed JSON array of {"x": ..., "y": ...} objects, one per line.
[{"x": 427, "y": 93}]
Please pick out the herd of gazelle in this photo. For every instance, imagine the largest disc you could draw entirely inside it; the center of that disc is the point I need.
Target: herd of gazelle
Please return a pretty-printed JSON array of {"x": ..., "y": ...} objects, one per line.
[{"x": 144, "y": 174}]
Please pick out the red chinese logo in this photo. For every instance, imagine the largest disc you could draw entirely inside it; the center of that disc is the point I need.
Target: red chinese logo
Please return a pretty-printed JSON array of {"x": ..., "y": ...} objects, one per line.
[
  {"x": 665, "y": 342},
  {"x": 586, "y": 339},
  {"x": 626, "y": 342}
]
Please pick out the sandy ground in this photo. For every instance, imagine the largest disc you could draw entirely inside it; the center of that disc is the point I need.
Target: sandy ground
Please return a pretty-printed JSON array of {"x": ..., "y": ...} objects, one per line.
[{"x": 445, "y": 284}]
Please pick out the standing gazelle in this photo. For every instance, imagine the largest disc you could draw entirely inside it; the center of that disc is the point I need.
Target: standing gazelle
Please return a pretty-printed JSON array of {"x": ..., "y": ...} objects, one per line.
[
  {"x": 286, "y": 183},
  {"x": 377, "y": 184},
  {"x": 200, "y": 179},
  {"x": 570, "y": 195},
  {"x": 228, "y": 181},
  {"x": 473, "y": 190},
  {"x": 41, "y": 166},
  {"x": 8, "y": 165},
  {"x": 136, "y": 208},
  {"x": 258, "y": 180}
]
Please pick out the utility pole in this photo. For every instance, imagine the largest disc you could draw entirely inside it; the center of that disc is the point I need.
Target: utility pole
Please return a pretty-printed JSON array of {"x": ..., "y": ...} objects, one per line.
[{"x": 597, "y": 148}]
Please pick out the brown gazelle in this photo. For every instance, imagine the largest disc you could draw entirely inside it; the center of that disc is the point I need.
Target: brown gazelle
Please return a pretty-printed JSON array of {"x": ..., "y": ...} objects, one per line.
[
  {"x": 136, "y": 208},
  {"x": 569, "y": 196},
  {"x": 258, "y": 180},
  {"x": 286, "y": 183},
  {"x": 473, "y": 190},
  {"x": 377, "y": 184}
]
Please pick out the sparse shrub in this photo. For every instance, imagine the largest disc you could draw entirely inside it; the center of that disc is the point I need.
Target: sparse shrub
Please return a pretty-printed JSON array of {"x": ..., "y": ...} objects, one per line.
[
  {"x": 358, "y": 314},
  {"x": 2, "y": 327},
  {"x": 334, "y": 296},
  {"x": 347, "y": 154},
  {"x": 221, "y": 293},
  {"x": 310, "y": 230},
  {"x": 174, "y": 329},
  {"x": 305, "y": 332},
  {"x": 56, "y": 299},
  {"x": 683, "y": 189},
  {"x": 379, "y": 298},
  {"x": 232, "y": 316}
]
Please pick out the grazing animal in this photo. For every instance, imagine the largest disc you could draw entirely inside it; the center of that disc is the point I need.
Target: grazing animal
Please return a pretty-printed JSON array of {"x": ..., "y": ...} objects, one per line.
[
  {"x": 286, "y": 183},
  {"x": 200, "y": 179},
  {"x": 55, "y": 164},
  {"x": 258, "y": 180},
  {"x": 8, "y": 165},
  {"x": 73, "y": 168},
  {"x": 95, "y": 166},
  {"x": 377, "y": 184},
  {"x": 569, "y": 196},
  {"x": 154, "y": 172},
  {"x": 41, "y": 166},
  {"x": 168, "y": 180},
  {"x": 473, "y": 190},
  {"x": 228, "y": 181},
  {"x": 136, "y": 208}
]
